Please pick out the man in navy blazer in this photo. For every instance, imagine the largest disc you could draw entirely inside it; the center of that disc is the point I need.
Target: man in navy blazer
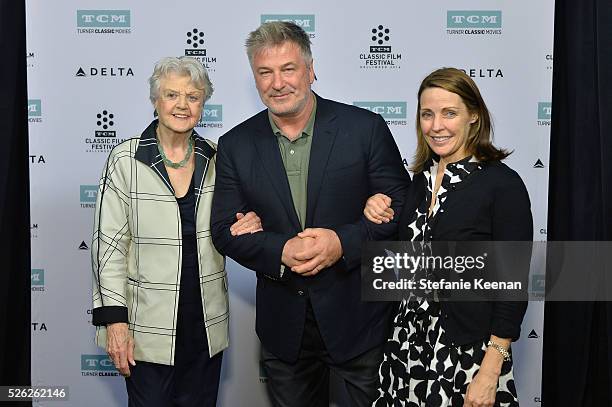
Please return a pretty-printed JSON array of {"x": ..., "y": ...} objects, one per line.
[{"x": 306, "y": 166}]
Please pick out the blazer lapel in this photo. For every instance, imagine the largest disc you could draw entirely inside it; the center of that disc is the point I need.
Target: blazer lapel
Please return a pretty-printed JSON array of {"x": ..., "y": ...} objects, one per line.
[
  {"x": 148, "y": 154},
  {"x": 323, "y": 139},
  {"x": 266, "y": 145}
]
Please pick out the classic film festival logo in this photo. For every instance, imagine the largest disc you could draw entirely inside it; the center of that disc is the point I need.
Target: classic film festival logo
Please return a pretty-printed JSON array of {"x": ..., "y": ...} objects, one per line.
[
  {"x": 194, "y": 41},
  {"x": 34, "y": 111},
  {"x": 104, "y": 137},
  {"x": 380, "y": 55},
  {"x": 306, "y": 21},
  {"x": 474, "y": 22},
  {"x": 97, "y": 365},
  {"x": 104, "y": 22},
  {"x": 544, "y": 113},
  {"x": 212, "y": 117},
  {"x": 393, "y": 112}
]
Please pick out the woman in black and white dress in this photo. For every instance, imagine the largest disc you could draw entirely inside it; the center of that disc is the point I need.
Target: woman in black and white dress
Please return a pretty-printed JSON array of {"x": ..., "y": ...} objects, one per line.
[{"x": 454, "y": 353}]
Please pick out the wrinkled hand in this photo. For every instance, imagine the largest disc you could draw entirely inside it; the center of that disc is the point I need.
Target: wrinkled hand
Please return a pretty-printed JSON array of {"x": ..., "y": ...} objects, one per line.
[
  {"x": 378, "y": 209},
  {"x": 249, "y": 223},
  {"x": 482, "y": 390},
  {"x": 326, "y": 251},
  {"x": 120, "y": 347},
  {"x": 292, "y": 247}
]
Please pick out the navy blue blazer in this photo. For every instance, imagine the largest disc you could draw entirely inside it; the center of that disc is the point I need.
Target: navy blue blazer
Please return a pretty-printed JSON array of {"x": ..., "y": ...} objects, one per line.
[{"x": 353, "y": 156}]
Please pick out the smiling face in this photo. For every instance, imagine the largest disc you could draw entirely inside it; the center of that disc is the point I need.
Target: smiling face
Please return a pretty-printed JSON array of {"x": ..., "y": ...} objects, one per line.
[
  {"x": 283, "y": 79},
  {"x": 178, "y": 105},
  {"x": 445, "y": 122}
]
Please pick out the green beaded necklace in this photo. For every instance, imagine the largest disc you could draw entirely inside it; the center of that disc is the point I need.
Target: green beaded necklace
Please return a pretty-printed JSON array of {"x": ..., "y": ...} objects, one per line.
[{"x": 181, "y": 163}]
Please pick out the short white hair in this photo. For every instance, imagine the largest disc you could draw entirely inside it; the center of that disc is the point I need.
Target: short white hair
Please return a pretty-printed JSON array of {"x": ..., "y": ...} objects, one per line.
[{"x": 182, "y": 66}]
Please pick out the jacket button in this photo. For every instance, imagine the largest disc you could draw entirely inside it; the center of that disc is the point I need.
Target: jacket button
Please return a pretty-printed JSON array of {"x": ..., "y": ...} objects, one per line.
[{"x": 301, "y": 293}]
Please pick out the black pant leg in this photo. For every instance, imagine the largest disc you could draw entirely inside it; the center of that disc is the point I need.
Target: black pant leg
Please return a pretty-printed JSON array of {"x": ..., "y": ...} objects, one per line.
[
  {"x": 304, "y": 383},
  {"x": 150, "y": 385},
  {"x": 360, "y": 376}
]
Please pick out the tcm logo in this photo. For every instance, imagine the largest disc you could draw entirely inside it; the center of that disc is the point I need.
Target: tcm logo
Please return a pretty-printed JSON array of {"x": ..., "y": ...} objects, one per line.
[
  {"x": 195, "y": 40},
  {"x": 306, "y": 21},
  {"x": 474, "y": 19},
  {"x": 103, "y": 18},
  {"x": 212, "y": 113},
  {"x": 212, "y": 116},
  {"x": 38, "y": 278},
  {"x": 544, "y": 110},
  {"x": 89, "y": 193},
  {"x": 98, "y": 363},
  {"x": 105, "y": 123},
  {"x": 388, "y": 110},
  {"x": 34, "y": 108}
]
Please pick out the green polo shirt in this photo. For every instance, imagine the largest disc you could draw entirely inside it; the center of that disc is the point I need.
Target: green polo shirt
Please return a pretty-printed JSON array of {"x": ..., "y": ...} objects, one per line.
[{"x": 296, "y": 157}]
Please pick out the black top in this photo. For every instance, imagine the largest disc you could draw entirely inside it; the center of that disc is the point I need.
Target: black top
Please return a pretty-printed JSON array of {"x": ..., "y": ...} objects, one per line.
[
  {"x": 187, "y": 207},
  {"x": 190, "y": 280},
  {"x": 489, "y": 204}
]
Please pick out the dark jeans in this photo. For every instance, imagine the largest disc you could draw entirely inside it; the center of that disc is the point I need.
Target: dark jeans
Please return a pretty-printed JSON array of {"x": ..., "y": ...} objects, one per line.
[{"x": 306, "y": 382}]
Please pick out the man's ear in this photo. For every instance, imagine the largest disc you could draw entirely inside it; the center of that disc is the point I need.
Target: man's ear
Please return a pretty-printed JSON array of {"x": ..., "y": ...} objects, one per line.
[{"x": 313, "y": 75}]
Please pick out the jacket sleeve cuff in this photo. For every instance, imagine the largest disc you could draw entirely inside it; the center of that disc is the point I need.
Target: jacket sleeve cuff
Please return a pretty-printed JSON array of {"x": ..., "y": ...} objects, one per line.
[{"x": 109, "y": 314}]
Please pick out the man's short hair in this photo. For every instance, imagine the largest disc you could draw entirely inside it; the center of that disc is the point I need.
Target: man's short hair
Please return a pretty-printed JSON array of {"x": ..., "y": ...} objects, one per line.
[{"x": 274, "y": 33}]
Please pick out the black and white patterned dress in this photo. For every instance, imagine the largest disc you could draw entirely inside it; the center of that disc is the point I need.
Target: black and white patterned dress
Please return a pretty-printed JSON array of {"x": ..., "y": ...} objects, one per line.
[{"x": 421, "y": 366}]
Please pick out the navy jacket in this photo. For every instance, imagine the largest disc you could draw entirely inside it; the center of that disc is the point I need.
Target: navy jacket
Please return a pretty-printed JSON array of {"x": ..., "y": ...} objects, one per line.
[{"x": 353, "y": 156}]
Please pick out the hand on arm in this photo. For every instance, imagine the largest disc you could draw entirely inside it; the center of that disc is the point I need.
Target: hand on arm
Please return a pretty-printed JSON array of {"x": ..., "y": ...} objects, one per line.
[
  {"x": 120, "y": 347},
  {"x": 378, "y": 209},
  {"x": 249, "y": 223},
  {"x": 482, "y": 390}
]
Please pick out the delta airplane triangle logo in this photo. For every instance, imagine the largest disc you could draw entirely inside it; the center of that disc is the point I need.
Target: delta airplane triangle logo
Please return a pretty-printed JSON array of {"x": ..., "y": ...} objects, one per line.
[
  {"x": 538, "y": 164},
  {"x": 83, "y": 246},
  {"x": 81, "y": 72},
  {"x": 533, "y": 334}
]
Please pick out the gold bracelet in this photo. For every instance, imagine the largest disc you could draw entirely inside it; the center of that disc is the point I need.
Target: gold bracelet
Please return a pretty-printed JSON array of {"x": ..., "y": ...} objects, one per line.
[{"x": 500, "y": 349}]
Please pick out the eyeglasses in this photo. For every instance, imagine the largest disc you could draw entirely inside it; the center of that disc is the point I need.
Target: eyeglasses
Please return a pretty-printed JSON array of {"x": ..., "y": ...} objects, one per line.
[{"x": 172, "y": 96}]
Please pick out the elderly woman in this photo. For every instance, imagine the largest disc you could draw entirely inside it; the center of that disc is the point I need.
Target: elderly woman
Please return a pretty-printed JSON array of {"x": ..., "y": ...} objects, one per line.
[
  {"x": 160, "y": 287},
  {"x": 454, "y": 353}
]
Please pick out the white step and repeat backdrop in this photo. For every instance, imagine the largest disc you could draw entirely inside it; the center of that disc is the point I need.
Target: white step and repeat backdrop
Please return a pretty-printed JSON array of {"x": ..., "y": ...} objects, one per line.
[{"x": 88, "y": 64}]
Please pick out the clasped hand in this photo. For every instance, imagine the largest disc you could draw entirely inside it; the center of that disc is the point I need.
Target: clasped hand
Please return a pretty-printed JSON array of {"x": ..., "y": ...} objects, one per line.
[{"x": 311, "y": 251}]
